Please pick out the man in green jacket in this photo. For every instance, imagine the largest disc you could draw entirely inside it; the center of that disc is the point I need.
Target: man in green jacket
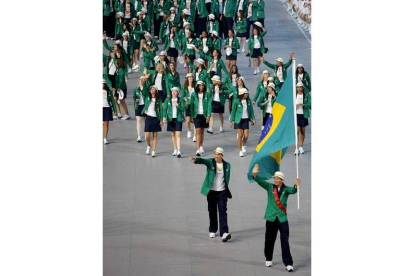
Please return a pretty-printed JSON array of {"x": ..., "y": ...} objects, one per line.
[
  {"x": 275, "y": 216},
  {"x": 216, "y": 188}
]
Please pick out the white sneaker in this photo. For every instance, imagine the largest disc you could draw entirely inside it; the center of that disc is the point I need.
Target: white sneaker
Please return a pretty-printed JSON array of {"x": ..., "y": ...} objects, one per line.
[
  {"x": 296, "y": 152},
  {"x": 238, "y": 50},
  {"x": 141, "y": 55},
  {"x": 289, "y": 268},
  {"x": 255, "y": 72},
  {"x": 212, "y": 235},
  {"x": 148, "y": 149},
  {"x": 301, "y": 151},
  {"x": 139, "y": 139},
  {"x": 210, "y": 130},
  {"x": 194, "y": 138},
  {"x": 153, "y": 154},
  {"x": 179, "y": 154},
  {"x": 221, "y": 129},
  {"x": 258, "y": 70},
  {"x": 105, "y": 141},
  {"x": 241, "y": 154},
  {"x": 262, "y": 127},
  {"x": 198, "y": 153},
  {"x": 243, "y": 50},
  {"x": 119, "y": 115},
  {"x": 174, "y": 153},
  {"x": 201, "y": 150},
  {"x": 126, "y": 117},
  {"x": 244, "y": 149},
  {"x": 226, "y": 237},
  {"x": 269, "y": 263},
  {"x": 189, "y": 133},
  {"x": 129, "y": 71}
]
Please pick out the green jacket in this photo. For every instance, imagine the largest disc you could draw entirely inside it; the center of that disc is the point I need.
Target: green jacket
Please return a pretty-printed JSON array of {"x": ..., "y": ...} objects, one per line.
[
  {"x": 215, "y": 26},
  {"x": 272, "y": 210},
  {"x": 235, "y": 44},
  {"x": 216, "y": 44},
  {"x": 262, "y": 99},
  {"x": 168, "y": 109},
  {"x": 220, "y": 63},
  {"x": 154, "y": 74},
  {"x": 215, "y": 8},
  {"x": 260, "y": 89},
  {"x": 255, "y": 8},
  {"x": 172, "y": 81},
  {"x": 306, "y": 82},
  {"x": 202, "y": 8},
  {"x": 158, "y": 107},
  {"x": 106, "y": 8},
  {"x": 167, "y": 43},
  {"x": 163, "y": 29},
  {"x": 241, "y": 26},
  {"x": 208, "y": 44},
  {"x": 184, "y": 48},
  {"x": 237, "y": 110},
  {"x": 137, "y": 33},
  {"x": 119, "y": 28},
  {"x": 125, "y": 58},
  {"x": 231, "y": 9},
  {"x": 285, "y": 66},
  {"x": 165, "y": 8},
  {"x": 261, "y": 10},
  {"x": 111, "y": 100},
  {"x": 307, "y": 104},
  {"x": 186, "y": 96},
  {"x": 222, "y": 94},
  {"x": 250, "y": 46},
  {"x": 138, "y": 93},
  {"x": 206, "y": 104},
  {"x": 120, "y": 79},
  {"x": 211, "y": 173},
  {"x": 149, "y": 55},
  {"x": 202, "y": 76}
]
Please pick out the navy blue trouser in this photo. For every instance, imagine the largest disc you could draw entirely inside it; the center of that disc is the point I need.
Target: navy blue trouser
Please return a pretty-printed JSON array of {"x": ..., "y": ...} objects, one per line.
[
  {"x": 217, "y": 200},
  {"x": 227, "y": 25},
  {"x": 270, "y": 238}
]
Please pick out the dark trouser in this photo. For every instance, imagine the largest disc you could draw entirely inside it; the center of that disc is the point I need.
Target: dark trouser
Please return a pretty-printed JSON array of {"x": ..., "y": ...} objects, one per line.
[
  {"x": 110, "y": 25},
  {"x": 270, "y": 238},
  {"x": 249, "y": 24},
  {"x": 227, "y": 25},
  {"x": 200, "y": 25},
  {"x": 217, "y": 199},
  {"x": 208, "y": 6},
  {"x": 261, "y": 21},
  {"x": 265, "y": 118},
  {"x": 221, "y": 27},
  {"x": 157, "y": 25}
]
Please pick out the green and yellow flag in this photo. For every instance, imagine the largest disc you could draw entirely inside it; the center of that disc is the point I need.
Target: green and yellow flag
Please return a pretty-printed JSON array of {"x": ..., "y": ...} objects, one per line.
[{"x": 277, "y": 135}]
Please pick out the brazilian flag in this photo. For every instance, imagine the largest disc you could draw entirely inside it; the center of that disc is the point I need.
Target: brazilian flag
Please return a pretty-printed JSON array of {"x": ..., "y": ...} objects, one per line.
[{"x": 277, "y": 135}]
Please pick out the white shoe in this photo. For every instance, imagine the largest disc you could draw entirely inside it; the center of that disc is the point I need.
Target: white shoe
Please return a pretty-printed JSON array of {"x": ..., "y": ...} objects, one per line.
[
  {"x": 301, "y": 151},
  {"x": 244, "y": 149},
  {"x": 258, "y": 70},
  {"x": 243, "y": 50},
  {"x": 105, "y": 141},
  {"x": 179, "y": 154},
  {"x": 226, "y": 237},
  {"x": 262, "y": 127},
  {"x": 198, "y": 153},
  {"x": 153, "y": 154},
  {"x": 269, "y": 263},
  {"x": 221, "y": 129},
  {"x": 212, "y": 235},
  {"x": 201, "y": 150},
  {"x": 174, "y": 153},
  {"x": 139, "y": 139},
  {"x": 296, "y": 152},
  {"x": 141, "y": 55},
  {"x": 289, "y": 268},
  {"x": 126, "y": 117},
  {"x": 194, "y": 138},
  {"x": 210, "y": 130},
  {"x": 255, "y": 72},
  {"x": 119, "y": 115},
  {"x": 129, "y": 71},
  {"x": 148, "y": 149},
  {"x": 238, "y": 50},
  {"x": 189, "y": 133},
  {"x": 241, "y": 154}
]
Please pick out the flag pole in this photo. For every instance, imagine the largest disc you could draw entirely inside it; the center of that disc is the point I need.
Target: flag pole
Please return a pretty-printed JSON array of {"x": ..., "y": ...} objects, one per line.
[{"x": 295, "y": 118}]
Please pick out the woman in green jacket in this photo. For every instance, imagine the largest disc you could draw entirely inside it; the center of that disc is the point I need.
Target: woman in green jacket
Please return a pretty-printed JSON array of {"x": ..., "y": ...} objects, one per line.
[
  {"x": 137, "y": 35},
  {"x": 172, "y": 79},
  {"x": 212, "y": 24},
  {"x": 187, "y": 48},
  {"x": 121, "y": 88},
  {"x": 242, "y": 113},
  {"x": 303, "y": 77},
  {"x": 119, "y": 29},
  {"x": 161, "y": 8},
  {"x": 173, "y": 117},
  {"x": 158, "y": 80},
  {"x": 188, "y": 90},
  {"x": 215, "y": 63},
  {"x": 280, "y": 70},
  {"x": 266, "y": 101},
  {"x": 200, "y": 110},
  {"x": 140, "y": 92},
  {"x": 241, "y": 30},
  {"x": 303, "y": 104},
  {"x": 204, "y": 43},
  {"x": 261, "y": 86},
  {"x": 256, "y": 46},
  {"x": 108, "y": 106},
  {"x": 149, "y": 48},
  {"x": 218, "y": 100},
  {"x": 200, "y": 71},
  {"x": 171, "y": 45},
  {"x": 153, "y": 120},
  {"x": 231, "y": 45}
]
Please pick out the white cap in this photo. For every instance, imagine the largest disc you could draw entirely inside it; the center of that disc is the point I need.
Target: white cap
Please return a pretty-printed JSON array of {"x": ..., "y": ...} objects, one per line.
[
  {"x": 148, "y": 34},
  {"x": 265, "y": 72},
  {"x": 172, "y": 9},
  {"x": 243, "y": 91},
  {"x": 299, "y": 85},
  {"x": 139, "y": 13},
  {"x": 200, "y": 82},
  {"x": 125, "y": 33},
  {"x": 242, "y": 78},
  {"x": 280, "y": 175},
  {"x": 219, "y": 150},
  {"x": 300, "y": 65},
  {"x": 118, "y": 41},
  {"x": 176, "y": 88},
  {"x": 121, "y": 14},
  {"x": 211, "y": 16},
  {"x": 156, "y": 88},
  {"x": 186, "y": 23},
  {"x": 215, "y": 33},
  {"x": 134, "y": 19},
  {"x": 189, "y": 75},
  {"x": 216, "y": 78},
  {"x": 279, "y": 59},
  {"x": 272, "y": 85},
  {"x": 186, "y": 11},
  {"x": 270, "y": 79},
  {"x": 200, "y": 60},
  {"x": 258, "y": 24},
  {"x": 162, "y": 53},
  {"x": 144, "y": 10}
]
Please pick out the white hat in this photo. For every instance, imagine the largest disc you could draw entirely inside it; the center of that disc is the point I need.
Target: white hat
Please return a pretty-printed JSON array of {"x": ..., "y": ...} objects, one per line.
[
  {"x": 118, "y": 41},
  {"x": 125, "y": 33},
  {"x": 186, "y": 11},
  {"x": 134, "y": 19},
  {"x": 258, "y": 24},
  {"x": 175, "y": 88},
  {"x": 280, "y": 175},
  {"x": 121, "y": 14},
  {"x": 189, "y": 75},
  {"x": 144, "y": 10},
  {"x": 243, "y": 91},
  {"x": 200, "y": 60},
  {"x": 211, "y": 16},
  {"x": 200, "y": 82},
  {"x": 186, "y": 23},
  {"x": 148, "y": 34},
  {"x": 156, "y": 58},
  {"x": 299, "y": 85},
  {"x": 172, "y": 9},
  {"x": 215, "y": 33},
  {"x": 270, "y": 79},
  {"x": 280, "y": 59},
  {"x": 139, "y": 13},
  {"x": 216, "y": 78},
  {"x": 219, "y": 150},
  {"x": 265, "y": 72},
  {"x": 156, "y": 88},
  {"x": 272, "y": 85},
  {"x": 300, "y": 65},
  {"x": 242, "y": 78},
  {"x": 162, "y": 53}
]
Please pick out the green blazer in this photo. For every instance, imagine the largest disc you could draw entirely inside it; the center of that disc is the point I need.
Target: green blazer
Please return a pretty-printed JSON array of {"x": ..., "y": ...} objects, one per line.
[
  {"x": 241, "y": 26},
  {"x": 168, "y": 109},
  {"x": 216, "y": 44},
  {"x": 222, "y": 95},
  {"x": 203, "y": 75},
  {"x": 272, "y": 210},
  {"x": 262, "y": 99},
  {"x": 119, "y": 28},
  {"x": 163, "y": 29},
  {"x": 154, "y": 74},
  {"x": 167, "y": 43},
  {"x": 215, "y": 26},
  {"x": 149, "y": 55},
  {"x": 120, "y": 79},
  {"x": 137, "y": 33},
  {"x": 138, "y": 93},
  {"x": 255, "y": 8},
  {"x": 186, "y": 96},
  {"x": 172, "y": 81},
  {"x": 237, "y": 110},
  {"x": 211, "y": 173},
  {"x": 215, "y": 8},
  {"x": 306, "y": 82},
  {"x": 206, "y": 104},
  {"x": 260, "y": 89},
  {"x": 208, "y": 44},
  {"x": 202, "y": 8},
  {"x": 307, "y": 104},
  {"x": 230, "y": 9},
  {"x": 184, "y": 46},
  {"x": 261, "y": 10},
  {"x": 220, "y": 64},
  {"x": 260, "y": 38},
  {"x": 106, "y": 8},
  {"x": 235, "y": 44},
  {"x": 165, "y": 8},
  {"x": 285, "y": 66},
  {"x": 158, "y": 107},
  {"x": 110, "y": 99},
  {"x": 124, "y": 54}
]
